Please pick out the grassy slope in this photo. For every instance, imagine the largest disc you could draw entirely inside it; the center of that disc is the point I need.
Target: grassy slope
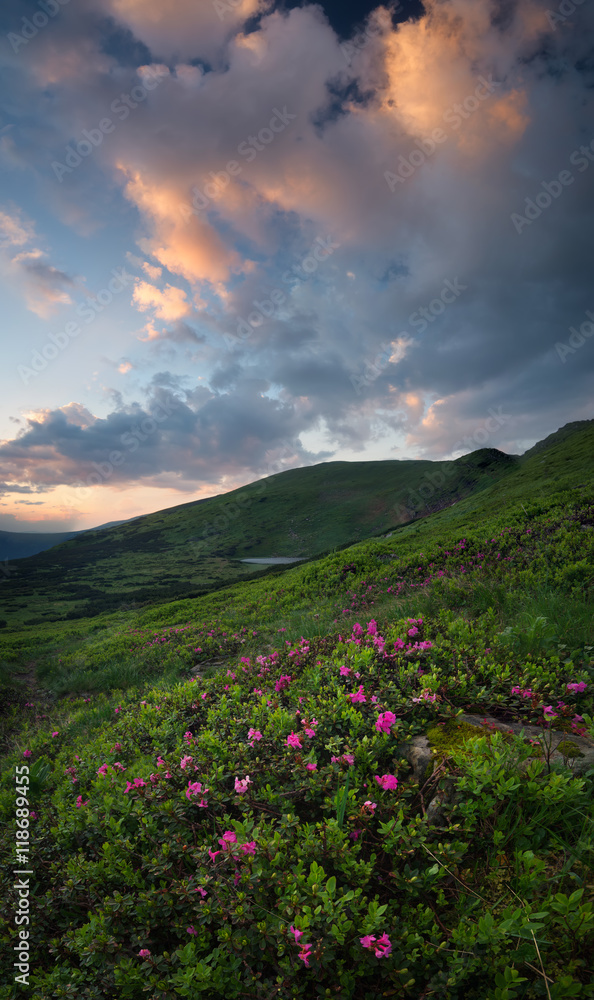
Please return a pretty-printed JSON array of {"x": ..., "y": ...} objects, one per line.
[
  {"x": 196, "y": 547},
  {"x": 120, "y": 873},
  {"x": 313, "y": 595}
]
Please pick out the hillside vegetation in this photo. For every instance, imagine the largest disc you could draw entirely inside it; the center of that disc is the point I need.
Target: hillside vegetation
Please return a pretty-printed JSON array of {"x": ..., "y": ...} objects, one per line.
[
  {"x": 368, "y": 775},
  {"x": 196, "y": 547}
]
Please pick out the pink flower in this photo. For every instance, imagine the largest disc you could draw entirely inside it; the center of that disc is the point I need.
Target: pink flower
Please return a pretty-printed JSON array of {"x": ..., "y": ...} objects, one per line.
[
  {"x": 185, "y": 761},
  {"x": 33, "y": 814},
  {"x": 371, "y": 628},
  {"x": 144, "y": 953},
  {"x": 311, "y": 767},
  {"x": 368, "y": 941},
  {"x": 387, "y": 781},
  {"x": 229, "y": 837},
  {"x": 384, "y": 947},
  {"x": 297, "y": 933},
  {"x": 548, "y": 712},
  {"x": 294, "y": 741},
  {"x": 26, "y": 753},
  {"x": 355, "y": 834},
  {"x": 370, "y": 806},
  {"x": 79, "y": 802},
  {"x": 426, "y": 696},
  {"x": 304, "y": 954},
  {"x": 137, "y": 783},
  {"x": 358, "y": 695},
  {"x": 248, "y": 848},
  {"x": 160, "y": 762},
  {"x": 345, "y": 671},
  {"x": 195, "y": 788},
  {"x": 399, "y": 644},
  {"x": 56, "y": 733},
  {"x": 103, "y": 770},
  {"x": 577, "y": 688},
  {"x": 242, "y": 785},
  {"x": 191, "y": 929},
  {"x": 283, "y": 683},
  {"x": 385, "y": 721},
  {"x": 413, "y": 631}
]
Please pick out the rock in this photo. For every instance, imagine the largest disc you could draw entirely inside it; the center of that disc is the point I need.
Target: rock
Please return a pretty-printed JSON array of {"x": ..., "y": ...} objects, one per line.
[
  {"x": 578, "y": 752},
  {"x": 446, "y": 795},
  {"x": 419, "y": 755},
  {"x": 580, "y": 762}
]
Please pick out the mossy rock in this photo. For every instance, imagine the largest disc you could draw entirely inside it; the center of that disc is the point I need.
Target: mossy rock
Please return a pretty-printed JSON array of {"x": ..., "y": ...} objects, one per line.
[
  {"x": 453, "y": 736},
  {"x": 568, "y": 749}
]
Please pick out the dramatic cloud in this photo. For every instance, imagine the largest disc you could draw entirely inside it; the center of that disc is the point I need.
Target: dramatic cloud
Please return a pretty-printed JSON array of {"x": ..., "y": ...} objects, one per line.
[{"x": 378, "y": 248}]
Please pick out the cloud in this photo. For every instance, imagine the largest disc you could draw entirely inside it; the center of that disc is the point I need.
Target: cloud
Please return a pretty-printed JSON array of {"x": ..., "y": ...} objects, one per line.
[
  {"x": 511, "y": 100},
  {"x": 15, "y": 230},
  {"x": 202, "y": 438},
  {"x": 44, "y": 287},
  {"x": 168, "y": 304},
  {"x": 195, "y": 30}
]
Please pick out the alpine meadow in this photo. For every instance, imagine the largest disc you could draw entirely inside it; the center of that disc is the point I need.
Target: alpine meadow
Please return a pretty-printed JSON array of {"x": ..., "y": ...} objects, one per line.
[
  {"x": 296, "y": 500},
  {"x": 368, "y": 775}
]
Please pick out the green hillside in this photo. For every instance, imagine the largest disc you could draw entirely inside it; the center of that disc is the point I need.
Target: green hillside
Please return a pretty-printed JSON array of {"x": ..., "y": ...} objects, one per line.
[
  {"x": 195, "y": 547},
  {"x": 368, "y": 775}
]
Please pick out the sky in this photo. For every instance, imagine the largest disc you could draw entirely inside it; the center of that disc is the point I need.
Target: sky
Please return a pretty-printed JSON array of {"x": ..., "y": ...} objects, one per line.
[{"x": 244, "y": 236}]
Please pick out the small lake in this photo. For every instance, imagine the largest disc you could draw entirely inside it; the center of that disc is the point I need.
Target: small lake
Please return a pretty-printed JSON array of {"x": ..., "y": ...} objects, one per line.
[{"x": 273, "y": 560}]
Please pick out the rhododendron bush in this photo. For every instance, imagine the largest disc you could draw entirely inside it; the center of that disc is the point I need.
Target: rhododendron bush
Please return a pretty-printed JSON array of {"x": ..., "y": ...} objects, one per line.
[{"x": 261, "y": 827}]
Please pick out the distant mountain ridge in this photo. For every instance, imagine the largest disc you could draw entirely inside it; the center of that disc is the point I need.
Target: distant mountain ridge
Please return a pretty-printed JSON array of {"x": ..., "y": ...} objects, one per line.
[
  {"x": 196, "y": 547},
  {"x": 21, "y": 544}
]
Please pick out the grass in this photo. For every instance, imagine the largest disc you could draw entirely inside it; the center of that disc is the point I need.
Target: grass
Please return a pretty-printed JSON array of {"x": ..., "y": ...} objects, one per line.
[{"x": 277, "y": 891}]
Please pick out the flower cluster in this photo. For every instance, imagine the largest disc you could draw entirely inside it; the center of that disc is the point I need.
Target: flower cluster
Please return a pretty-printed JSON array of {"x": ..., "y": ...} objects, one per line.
[
  {"x": 242, "y": 784},
  {"x": 385, "y": 721},
  {"x": 388, "y": 781},
  {"x": 382, "y": 946},
  {"x": 305, "y": 951}
]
